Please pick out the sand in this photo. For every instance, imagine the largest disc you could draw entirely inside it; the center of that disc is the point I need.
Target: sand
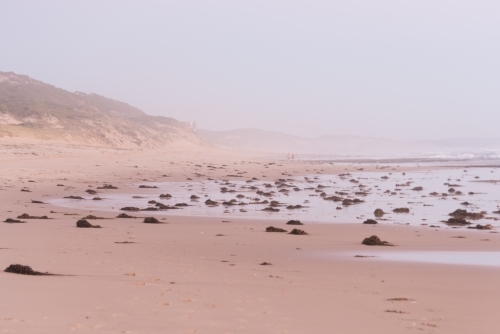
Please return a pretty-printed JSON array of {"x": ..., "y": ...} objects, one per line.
[{"x": 184, "y": 277}]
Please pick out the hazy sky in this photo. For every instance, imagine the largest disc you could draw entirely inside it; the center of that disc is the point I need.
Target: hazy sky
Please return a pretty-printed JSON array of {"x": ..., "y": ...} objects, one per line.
[{"x": 402, "y": 69}]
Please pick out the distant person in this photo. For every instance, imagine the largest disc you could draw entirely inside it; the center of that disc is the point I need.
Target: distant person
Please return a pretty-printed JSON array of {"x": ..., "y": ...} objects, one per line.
[{"x": 293, "y": 156}]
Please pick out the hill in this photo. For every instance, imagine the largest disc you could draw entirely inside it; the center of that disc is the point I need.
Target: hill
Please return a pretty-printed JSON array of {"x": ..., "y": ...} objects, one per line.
[{"x": 35, "y": 110}]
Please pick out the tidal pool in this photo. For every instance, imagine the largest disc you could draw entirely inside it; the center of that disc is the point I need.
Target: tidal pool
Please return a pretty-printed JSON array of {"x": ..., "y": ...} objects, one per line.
[{"x": 490, "y": 259}]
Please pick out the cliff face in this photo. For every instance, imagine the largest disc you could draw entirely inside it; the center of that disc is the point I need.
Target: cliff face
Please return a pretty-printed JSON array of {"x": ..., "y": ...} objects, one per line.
[{"x": 33, "y": 109}]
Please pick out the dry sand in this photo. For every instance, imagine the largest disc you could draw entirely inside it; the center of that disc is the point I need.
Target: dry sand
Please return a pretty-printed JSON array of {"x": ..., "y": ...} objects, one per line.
[{"x": 181, "y": 277}]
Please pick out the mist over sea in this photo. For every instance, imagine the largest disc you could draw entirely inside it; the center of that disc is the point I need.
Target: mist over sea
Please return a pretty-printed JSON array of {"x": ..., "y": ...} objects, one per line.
[{"x": 438, "y": 155}]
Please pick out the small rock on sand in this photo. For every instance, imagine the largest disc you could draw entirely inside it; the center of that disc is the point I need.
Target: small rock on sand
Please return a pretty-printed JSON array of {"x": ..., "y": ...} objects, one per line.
[
  {"x": 12, "y": 221},
  {"x": 296, "y": 231},
  {"x": 85, "y": 224},
  {"x": 294, "y": 222},
  {"x": 375, "y": 241},
  {"x": 151, "y": 220},
  {"x": 275, "y": 229},
  {"x": 23, "y": 270},
  {"x": 124, "y": 215}
]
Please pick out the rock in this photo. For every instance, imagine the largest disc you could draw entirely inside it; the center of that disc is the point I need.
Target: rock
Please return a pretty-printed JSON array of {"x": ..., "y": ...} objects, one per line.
[
  {"x": 275, "y": 229},
  {"x": 181, "y": 204},
  {"x": 418, "y": 188},
  {"x": 379, "y": 213},
  {"x": 97, "y": 198},
  {"x": 461, "y": 213},
  {"x": 210, "y": 202},
  {"x": 292, "y": 207},
  {"x": 457, "y": 222},
  {"x": 370, "y": 222},
  {"x": 270, "y": 209},
  {"x": 333, "y": 198},
  {"x": 401, "y": 210},
  {"x": 294, "y": 222},
  {"x": 482, "y": 227},
  {"x": 162, "y": 206},
  {"x": 107, "y": 186},
  {"x": 347, "y": 202},
  {"x": 85, "y": 224},
  {"x": 130, "y": 208},
  {"x": 194, "y": 197},
  {"x": 124, "y": 215},
  {"x": 165, "y": 196},
  {"x": 151, "y": 220},
  {"x": 148, "y": 187},
  {"x": 91, "y": 191},
  {"x": 23, "y": 270},
  {"x": 74, "y": 197},
  {"x": 296, "y": 231},
  {"x": 12, "y": 221},
  {"x": 265, "y": 264},
  {"x": 37, "y": 202},
  {"x": 375, "y": 241}
]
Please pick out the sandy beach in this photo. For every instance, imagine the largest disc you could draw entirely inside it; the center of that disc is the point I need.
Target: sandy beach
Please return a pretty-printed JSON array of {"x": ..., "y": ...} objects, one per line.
[{"x": 204, "y": 274}]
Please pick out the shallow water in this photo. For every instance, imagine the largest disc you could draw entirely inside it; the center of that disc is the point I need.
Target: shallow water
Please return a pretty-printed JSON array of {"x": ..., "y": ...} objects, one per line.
[
  {"x": 424, "y": 209},
  {"x": 491, "y": 259}
]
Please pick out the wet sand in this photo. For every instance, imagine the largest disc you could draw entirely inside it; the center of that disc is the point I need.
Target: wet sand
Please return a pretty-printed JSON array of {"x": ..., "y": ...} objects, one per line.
[{"x": 198, "y": 274}]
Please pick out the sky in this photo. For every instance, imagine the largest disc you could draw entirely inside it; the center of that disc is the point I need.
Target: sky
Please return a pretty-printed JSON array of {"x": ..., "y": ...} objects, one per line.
[{"x": 422, "y": 69}]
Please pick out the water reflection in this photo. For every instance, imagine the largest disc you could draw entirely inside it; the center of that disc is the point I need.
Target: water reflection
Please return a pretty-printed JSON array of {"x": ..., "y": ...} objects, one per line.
[{"x": 386, "y": 190}]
